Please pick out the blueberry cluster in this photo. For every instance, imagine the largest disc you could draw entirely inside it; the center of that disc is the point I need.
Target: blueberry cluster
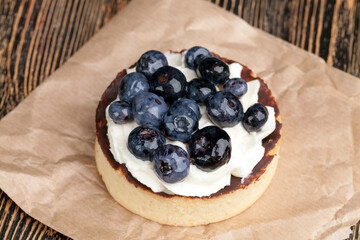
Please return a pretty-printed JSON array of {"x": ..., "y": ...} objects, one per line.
[{"x": 163, "y": 103}]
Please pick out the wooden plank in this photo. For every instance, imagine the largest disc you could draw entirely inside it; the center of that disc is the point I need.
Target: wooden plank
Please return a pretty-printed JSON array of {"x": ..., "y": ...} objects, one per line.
[
  {"x": 15, "y": 224},
  {"x": 37, "y": 37}
]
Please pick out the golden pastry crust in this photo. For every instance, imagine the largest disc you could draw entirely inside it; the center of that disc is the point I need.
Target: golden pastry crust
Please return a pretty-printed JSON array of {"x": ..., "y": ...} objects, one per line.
[{"x": 179, "y": 210}]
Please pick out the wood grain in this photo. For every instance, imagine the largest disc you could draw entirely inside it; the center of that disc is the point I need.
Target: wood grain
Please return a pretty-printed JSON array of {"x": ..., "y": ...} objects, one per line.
[
  {"x": 327, "y": 28},
  {"x": 37, "y": 37},
  {"x": 15, "y": 224}
]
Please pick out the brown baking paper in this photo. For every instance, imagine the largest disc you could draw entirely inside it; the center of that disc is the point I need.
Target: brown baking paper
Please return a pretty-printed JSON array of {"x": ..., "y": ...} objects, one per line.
[{"x": 46, "y": 145}]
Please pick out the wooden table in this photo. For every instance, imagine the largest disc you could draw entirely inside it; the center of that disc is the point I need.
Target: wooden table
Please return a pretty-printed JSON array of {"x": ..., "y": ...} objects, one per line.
[{"x": 37, "y": 37}]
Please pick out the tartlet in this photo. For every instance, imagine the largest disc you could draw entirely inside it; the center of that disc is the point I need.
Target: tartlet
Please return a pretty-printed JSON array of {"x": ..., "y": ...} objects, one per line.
[{"x": 184, "y": 210}]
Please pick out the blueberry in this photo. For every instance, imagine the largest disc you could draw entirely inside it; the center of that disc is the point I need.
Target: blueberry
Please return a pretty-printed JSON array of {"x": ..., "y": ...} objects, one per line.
[
  {"x": 144, "y": 140},
  {"x": 171, "y": 163},
  {"x": 224, "y": 109},
  {"x": 236, "y": 86},
  {"x": 255, "y": 117},
  {"x": 149, "y": 109},
  {"x": 151, "y": 61},
  {"x": 200, "y": 90},
  {"x": 120, "y": 112},
  {"x": 131, "y": 85},
  {"x": 179, "y": 125},
  {"x": 168, "y": 82},
  {"x": 209, "y": 148},
  {"x": 187, "y": 105},
  {"x": 214, "y": 70},
  {"x": 194, "y": 55}
]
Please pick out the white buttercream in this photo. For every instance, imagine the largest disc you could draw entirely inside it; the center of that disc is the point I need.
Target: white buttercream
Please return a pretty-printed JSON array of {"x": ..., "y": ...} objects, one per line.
[{"x": 247, "y": 149}]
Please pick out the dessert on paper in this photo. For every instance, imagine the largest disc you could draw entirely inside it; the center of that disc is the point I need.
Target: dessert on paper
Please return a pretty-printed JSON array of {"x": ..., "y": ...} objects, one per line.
[
  {"x": 47, "y": 160},
  {"x": 187, "y": 138}
]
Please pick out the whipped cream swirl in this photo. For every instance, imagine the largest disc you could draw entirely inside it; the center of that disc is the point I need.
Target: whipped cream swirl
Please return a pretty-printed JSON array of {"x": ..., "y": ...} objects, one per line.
[{"x": 247, "y": 149}]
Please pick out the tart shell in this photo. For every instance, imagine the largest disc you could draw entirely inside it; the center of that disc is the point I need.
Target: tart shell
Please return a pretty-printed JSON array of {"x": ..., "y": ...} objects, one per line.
[{"x": 181, "y": 210}]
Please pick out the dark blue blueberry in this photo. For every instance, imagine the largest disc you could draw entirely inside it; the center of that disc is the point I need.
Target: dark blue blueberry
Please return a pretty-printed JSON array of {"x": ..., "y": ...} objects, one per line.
[
  {"x": 168, "y": 82},
  {"x": 194, "y": 55},
  {"x": 179, "y": 125},
  {"x": 224, "y": 109},
  {"x": 185, "y": 104},
  {"x": 131, "y": 85},
  {"x": 120, "y": 112},
  {"x": 209, "y": 148},
  {"x": 236, "y": 86},
  {"x": 255, "y": 117},
  {"x": 151, "y": 61},
  {"x": 149, "y": 109},
  {"x": 171, "y": 163},
  {"x": 214, "y": 70},
  {"x": 144, "y": 140},
  {"x": 200, "y": 90}
]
